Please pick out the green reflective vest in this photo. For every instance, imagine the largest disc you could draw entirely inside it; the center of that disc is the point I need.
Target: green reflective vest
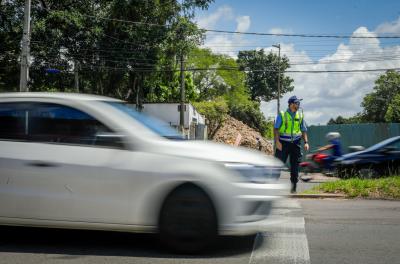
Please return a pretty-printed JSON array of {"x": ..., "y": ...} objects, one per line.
[{"x": 290, "y": 129}]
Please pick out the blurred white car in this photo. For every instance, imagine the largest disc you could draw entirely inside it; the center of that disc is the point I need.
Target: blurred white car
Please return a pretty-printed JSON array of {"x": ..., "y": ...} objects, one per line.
[{"x": 90, "y": 162}]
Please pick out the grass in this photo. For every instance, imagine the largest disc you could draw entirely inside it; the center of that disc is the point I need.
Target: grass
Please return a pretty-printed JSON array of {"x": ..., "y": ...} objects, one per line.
[{"x": 383, "y": 188}]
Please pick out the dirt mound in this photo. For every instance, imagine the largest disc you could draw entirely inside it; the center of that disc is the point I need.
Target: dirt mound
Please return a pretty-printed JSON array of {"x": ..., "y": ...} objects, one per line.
[{"x": 233, "y": 130}]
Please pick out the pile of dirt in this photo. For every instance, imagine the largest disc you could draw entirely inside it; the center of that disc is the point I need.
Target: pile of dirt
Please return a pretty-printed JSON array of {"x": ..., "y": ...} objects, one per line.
[{"x": 234, "y": 130}]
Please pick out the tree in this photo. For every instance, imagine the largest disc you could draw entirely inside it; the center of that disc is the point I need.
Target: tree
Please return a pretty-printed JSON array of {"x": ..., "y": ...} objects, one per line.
[
  {"x": 230, "y": 84},
  {"x": 376, "y": 104},
  {"x": 358, "y": 118},
  {"x": 116, "y": 57},
  {"x": 393, "y": 112},
  {"x": 262, "y": 74},
  {"x": 11, "y": 15},
  {"x": 215, "y": 112}
]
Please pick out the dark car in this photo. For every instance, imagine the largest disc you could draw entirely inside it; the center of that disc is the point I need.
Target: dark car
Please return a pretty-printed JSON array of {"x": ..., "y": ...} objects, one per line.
[{"x": 378, "y": 160}]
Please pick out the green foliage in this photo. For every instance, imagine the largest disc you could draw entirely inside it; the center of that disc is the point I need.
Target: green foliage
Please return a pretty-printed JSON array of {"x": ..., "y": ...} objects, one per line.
[
  {"x": 230, "y": 84},
  {"x": 384, "y": 188},
  {"x": 11, "y": 14},
  {"x": 262, "y": 74},
  {"x": 251, "y": 115},
  {"x": 119, "y": 59},
  {"x": 343, "y": 120},
  {"x": 393, "y": 112},
  {"x": 169, "y": 90},
  {"x": 215, "y": 112},
  {"x": 376, "y": 104}
]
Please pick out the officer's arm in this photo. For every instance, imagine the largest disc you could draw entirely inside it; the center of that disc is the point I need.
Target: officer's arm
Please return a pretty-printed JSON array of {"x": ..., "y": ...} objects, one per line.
[
  {"x": 303, "y": 127},
  {"x": 305, "y": 136},
  {"x": 277, "y": 125},
  {"x": 276, "y": 135}
]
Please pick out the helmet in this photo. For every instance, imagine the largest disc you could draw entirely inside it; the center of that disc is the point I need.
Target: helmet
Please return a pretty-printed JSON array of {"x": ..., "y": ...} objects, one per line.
[{"x": 332, "y": 135}]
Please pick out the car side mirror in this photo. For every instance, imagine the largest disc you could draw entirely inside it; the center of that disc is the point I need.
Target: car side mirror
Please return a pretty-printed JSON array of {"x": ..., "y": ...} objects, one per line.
[{"x": 110, "y": 139}]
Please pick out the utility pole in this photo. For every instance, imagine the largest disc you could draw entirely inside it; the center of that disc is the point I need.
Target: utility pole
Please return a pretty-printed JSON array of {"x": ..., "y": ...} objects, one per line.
[
  {"x": 278, "y": 108},
  {"x": 24, "y": 78},
  {"x": 76, "y": 72},
  {"x": 182, "y": 104}
]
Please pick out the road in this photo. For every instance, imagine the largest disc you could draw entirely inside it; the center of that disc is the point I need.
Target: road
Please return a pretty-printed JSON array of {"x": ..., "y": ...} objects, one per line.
[
  {"x": 353, "y": 231},
  {"x": 309, "y": 231}
]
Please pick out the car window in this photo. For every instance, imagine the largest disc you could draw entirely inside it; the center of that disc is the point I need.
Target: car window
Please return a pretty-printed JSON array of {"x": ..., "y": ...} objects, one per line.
[
  {"x": 13, "y": 118},
  {"x": 395, "y": 145},
  {"x": 157, "y": 126},
  {"x": 63, "y": 124},
  {"x": 54, "y": 123}
]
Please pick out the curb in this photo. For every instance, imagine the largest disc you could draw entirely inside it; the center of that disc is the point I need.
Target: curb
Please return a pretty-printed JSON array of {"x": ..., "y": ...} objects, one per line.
[{"x": 317, "y": 196}]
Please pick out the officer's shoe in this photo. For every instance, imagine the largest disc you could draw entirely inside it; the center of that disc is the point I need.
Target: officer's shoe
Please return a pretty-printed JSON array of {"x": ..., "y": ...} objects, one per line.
[{"x": 293, "y": 190}]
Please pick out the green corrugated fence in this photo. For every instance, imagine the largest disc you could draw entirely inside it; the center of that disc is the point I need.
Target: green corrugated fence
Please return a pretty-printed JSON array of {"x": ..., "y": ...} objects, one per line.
[{"x": 353, "y": 134}]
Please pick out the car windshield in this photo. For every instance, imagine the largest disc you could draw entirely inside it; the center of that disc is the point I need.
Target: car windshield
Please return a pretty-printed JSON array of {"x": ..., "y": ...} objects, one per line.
[
  {"x": 157, "y": 126},
  {"x": 382, "y": 144}
]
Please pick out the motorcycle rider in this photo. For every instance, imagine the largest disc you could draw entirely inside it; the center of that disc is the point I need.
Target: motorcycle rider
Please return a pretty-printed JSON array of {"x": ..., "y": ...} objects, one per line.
[{"x": 336, "y": 147}]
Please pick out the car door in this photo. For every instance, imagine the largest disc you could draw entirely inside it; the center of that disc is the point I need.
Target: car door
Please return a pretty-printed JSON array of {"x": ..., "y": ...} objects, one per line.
[
  {"x": 12, "y": 130},
  {"x": 62, "y": 170},
  {"x": 393, "y": 156}
]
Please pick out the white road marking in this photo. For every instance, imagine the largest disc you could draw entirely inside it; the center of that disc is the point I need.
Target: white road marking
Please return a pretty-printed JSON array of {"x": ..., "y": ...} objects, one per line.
[{"x": 283, "y": 242}]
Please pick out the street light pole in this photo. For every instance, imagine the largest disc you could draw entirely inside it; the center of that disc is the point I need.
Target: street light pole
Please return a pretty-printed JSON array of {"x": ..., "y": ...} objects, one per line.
[
  {"x": 24, "y": 77},
  {"x": 279, "y": 77},
  {"x": 182, "y": 103}
]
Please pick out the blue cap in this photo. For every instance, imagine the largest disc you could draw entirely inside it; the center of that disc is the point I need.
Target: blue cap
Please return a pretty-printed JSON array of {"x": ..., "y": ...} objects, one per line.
[{"x": 294, "y": 99}]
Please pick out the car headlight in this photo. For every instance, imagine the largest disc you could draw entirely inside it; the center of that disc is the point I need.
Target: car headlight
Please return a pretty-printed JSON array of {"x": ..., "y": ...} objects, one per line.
[{"x": 255, "y": 174}]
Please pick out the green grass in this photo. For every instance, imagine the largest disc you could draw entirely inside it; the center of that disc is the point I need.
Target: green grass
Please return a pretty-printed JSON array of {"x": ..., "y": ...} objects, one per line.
[{"x": 383, "y": 188}]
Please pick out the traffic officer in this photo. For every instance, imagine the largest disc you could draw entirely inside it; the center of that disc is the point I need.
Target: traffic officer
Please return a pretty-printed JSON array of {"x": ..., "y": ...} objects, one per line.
[{"x": 289, "y": 129}]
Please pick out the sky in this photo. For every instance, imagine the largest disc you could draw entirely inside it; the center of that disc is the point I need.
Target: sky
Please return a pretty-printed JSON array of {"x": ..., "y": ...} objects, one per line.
[{"x": 325, "y": 95}]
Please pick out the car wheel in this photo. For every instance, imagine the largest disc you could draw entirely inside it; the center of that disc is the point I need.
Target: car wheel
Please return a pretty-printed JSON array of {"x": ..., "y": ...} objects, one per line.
[{"x": 188, "y": 221}]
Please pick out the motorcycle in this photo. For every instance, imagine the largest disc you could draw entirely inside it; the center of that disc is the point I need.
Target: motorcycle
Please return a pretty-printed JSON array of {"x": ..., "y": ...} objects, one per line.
[{"x": 314, "y": 162}]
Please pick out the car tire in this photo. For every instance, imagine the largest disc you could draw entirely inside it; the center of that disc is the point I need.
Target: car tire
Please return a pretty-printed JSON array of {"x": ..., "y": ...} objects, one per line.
[{"x": 188, "y": 221}]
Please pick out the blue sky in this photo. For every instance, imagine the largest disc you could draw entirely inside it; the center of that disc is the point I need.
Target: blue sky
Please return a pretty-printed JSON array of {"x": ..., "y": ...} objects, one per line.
[
  {"x": 312, "y": 16},
  {"x": 325, "y": 95}
]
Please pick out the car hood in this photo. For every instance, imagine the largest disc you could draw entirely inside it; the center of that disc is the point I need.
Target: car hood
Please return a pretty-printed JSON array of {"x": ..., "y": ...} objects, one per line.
[
  {"x": 216, "y": 152},
  {"x": 353, "y": 155}
]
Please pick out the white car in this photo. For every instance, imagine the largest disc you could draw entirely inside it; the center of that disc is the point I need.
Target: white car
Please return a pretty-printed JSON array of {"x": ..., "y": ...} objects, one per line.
[{"x": 89, "y": 162}]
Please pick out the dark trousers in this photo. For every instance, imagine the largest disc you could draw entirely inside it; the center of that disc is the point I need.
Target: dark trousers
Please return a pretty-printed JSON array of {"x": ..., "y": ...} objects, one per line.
[{"x": 293, "y": 150}]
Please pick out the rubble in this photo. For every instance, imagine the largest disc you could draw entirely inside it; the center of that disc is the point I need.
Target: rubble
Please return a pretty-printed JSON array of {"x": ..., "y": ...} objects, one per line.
[{"x": 233, "y": 128}]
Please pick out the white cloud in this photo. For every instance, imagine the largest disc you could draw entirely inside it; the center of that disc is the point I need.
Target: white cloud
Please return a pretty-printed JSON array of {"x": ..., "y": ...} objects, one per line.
[
  {"x": 389, "y": 27},
  {"x": 243, "y": 23},
  {"x": 224, "y": 13},
  {"x": 280, "y": 31},
  {"x": 224, "y": 43},
  {"x": 328, "y": 95}
]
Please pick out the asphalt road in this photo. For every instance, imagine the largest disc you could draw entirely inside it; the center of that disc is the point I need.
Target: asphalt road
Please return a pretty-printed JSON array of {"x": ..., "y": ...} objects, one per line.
[
  {"x": 353, "y": 231},
  {"x": 301, "y": 231}
]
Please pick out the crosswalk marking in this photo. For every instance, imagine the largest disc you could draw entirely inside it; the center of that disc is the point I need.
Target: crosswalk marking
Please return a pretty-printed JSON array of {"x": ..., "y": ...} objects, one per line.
[{"x": 283, "y": 241}]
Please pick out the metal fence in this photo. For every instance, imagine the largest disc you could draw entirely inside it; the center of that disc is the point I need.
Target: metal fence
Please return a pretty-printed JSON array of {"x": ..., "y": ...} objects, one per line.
[{"x": 353, "y": 134}]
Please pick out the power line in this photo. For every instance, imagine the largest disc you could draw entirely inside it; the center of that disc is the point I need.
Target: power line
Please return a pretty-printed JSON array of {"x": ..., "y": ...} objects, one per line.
[
  {"x": 238, "y": 69},
  {"x": 352, "y": 36},
  {"x": 302, "y": 35}
]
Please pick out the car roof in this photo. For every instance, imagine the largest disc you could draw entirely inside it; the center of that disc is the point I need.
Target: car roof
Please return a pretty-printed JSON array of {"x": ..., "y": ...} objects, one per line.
[{"x": 65, "y": 96}]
